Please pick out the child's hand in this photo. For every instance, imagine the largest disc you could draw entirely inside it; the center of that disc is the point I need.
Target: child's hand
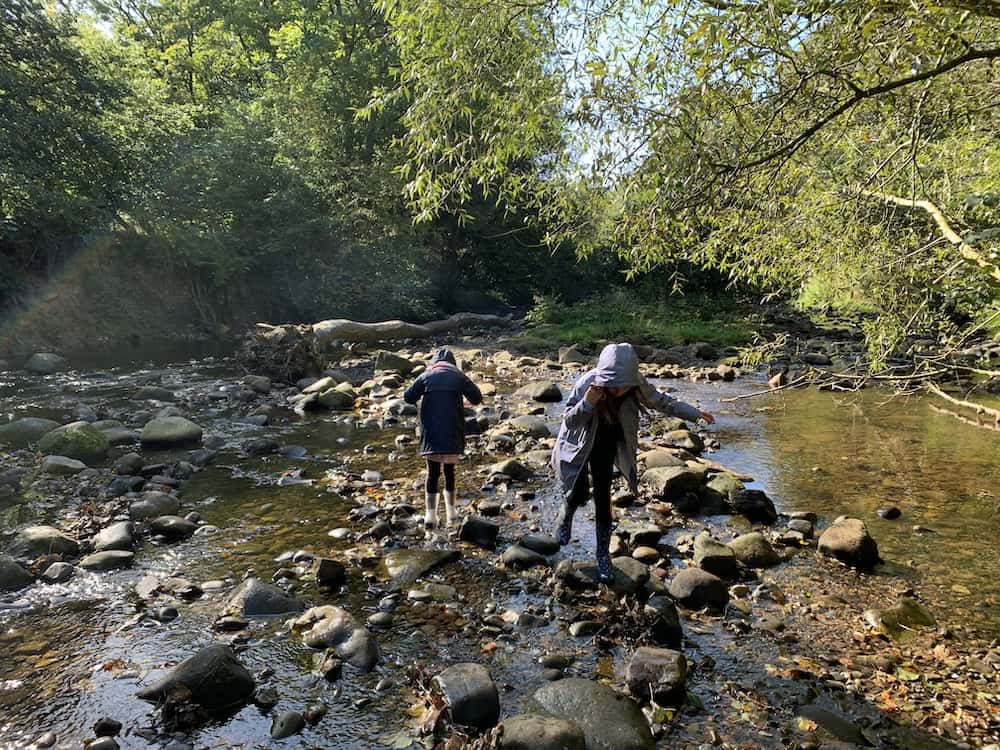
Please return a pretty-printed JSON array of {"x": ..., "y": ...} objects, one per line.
[
  {"x": 706, "y": 417},
  {"x": 594, "y": 395}
]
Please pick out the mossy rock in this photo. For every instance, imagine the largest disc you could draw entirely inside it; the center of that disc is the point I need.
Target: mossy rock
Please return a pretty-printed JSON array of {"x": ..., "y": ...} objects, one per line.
[{"x": 79, "y": 440}]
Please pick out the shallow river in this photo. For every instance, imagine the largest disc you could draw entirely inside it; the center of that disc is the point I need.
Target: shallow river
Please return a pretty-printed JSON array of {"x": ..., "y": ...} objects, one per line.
[{"x": 70, "y": 658}]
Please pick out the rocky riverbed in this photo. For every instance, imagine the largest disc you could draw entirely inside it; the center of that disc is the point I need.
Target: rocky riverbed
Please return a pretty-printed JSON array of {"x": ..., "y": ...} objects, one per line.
[{"x": 196, "y": 556}]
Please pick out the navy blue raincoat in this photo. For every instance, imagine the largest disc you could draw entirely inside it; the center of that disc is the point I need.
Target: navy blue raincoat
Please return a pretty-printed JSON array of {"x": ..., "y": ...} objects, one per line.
[{"x": 442, "y": 416}]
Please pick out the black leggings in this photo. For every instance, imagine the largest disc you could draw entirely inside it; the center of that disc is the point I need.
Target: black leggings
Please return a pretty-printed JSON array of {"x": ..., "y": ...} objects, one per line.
[
  {"x": 434, "y": 473},
  {"x": 602, "y": 464}
]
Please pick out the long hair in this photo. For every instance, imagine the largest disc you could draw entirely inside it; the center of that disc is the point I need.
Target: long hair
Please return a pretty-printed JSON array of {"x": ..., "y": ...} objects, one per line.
[{"x": 609, "y": 406}]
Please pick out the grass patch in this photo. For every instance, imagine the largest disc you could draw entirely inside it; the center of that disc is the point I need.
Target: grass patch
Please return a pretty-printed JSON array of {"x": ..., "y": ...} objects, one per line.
[{"x": 622, "y": 316}]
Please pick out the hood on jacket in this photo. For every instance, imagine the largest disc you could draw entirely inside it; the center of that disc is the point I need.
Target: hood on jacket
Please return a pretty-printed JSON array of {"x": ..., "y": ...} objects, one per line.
[
  {"x": 443, "y": 355},
  {"x": 618, "y": 367}
]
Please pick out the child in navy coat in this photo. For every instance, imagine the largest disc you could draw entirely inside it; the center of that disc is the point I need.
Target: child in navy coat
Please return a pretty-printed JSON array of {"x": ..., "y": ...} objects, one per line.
[{"x": 442, "y": 427}]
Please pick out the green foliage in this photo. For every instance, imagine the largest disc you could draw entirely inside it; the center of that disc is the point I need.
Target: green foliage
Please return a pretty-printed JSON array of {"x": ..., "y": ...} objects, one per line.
[
  {"x": 61, "y": 170},
  {"x": 624, "y": 315}
]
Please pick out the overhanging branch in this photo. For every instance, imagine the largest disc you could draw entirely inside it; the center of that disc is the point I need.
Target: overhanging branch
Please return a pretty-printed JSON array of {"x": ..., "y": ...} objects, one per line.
[{"x": 968, "y": 252}]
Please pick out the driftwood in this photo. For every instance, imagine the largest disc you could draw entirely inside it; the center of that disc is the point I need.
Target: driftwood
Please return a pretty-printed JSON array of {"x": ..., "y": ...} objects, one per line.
[
  {"x": 290, "y": 352},
  {"x": 351, "y": 331},
  {"x": 978, "y": 408}
]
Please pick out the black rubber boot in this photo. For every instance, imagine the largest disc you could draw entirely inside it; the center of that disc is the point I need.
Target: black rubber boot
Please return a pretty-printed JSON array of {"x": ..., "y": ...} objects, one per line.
[
  {"x": 564, "y": 524},
  {"x": 605, "y": 572}
]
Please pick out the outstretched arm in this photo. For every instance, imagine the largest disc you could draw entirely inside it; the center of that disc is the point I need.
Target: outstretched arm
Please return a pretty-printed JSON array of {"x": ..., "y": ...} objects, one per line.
[{"x": 664, "y": 402}]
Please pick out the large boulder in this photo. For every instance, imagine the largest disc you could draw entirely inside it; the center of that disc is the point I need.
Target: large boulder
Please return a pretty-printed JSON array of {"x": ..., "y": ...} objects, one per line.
[
  {"x": 712, "y": 555},
  {"x": 79, "y": 440},
  {"x": 117, "y": 536},
  {"x": 334, "y": 628},
  {"x": 212, "y": 678},
  {"x": 754, "y": 551},
  {"x": 45, "y": 363},
  {"x": 657, "y": 674},
  {"x": 471, "y": 695},
  {"x": 25, "y": 432},
  {"x": 12, "y": 575},
  {"x": 544, "y": 392},
  {"x": 153, "y": 505},
  {"x": 533, "y": 732},
  {"x": 695, "y": 588},
  {"x": 609, "y": 720},
  {"x": 254, "y": 598},
  {"x": 848, "y": 540},
  {"x": 671, "y": 483},
  {"x": 170, "y": 432},
  {"x": 404, "y": 566},
  {"x": 35, "y": 541}
]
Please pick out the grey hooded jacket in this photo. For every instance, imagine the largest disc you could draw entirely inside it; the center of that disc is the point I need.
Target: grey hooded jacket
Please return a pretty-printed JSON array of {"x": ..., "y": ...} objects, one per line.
[{"x": 618, "y": 366}]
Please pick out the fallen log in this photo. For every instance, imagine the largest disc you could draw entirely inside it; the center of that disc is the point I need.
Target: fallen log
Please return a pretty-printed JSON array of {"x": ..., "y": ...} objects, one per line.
[
  {"x": 351, "y": 331},
  {"x": 290, "y": 352}
]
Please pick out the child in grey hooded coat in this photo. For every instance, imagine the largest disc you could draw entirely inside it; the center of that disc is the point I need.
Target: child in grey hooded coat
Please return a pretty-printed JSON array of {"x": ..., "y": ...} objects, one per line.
[{"x": 600, "y": 429}]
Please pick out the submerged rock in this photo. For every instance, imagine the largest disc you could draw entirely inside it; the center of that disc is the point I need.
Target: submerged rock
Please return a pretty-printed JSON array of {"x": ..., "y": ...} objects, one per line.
[
  {"x": 35, "y": 541},
  {"x": 254, "y": 598},
  {"x": 334, "y": 628},
  {"x": 657, "y": 674},
  {"x": 212, "y": 678},
  {"x": 609, "y": 721},
  {"x": 471, "y": 695},
  {"x": 404, "y": 566},
  {"x": 534, "y": 732},
  {"x": 848, "y": 540},
  {"x": 901, "y": 621},
  {"x": 535, "y": 426}
]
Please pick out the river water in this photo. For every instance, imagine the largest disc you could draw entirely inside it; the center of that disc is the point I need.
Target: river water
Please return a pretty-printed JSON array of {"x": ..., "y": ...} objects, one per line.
[{"x": 71, "y": 656}]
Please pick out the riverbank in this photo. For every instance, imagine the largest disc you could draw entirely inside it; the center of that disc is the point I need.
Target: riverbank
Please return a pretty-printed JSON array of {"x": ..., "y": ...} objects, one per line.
[{"x": 780, "y": 644}]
